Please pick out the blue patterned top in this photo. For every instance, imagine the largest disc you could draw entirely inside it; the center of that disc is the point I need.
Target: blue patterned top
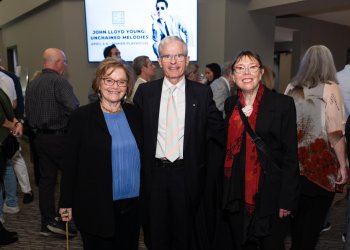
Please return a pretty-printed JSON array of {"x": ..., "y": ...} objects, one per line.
[{"x": 125, "y": 157}]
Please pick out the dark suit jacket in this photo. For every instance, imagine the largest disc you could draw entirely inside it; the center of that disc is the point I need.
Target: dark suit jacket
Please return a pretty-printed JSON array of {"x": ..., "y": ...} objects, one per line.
[
  {"x": 276, "y": 125},
  {"x": 202, "y": 122},
  {"x": 86, "y": 184}
]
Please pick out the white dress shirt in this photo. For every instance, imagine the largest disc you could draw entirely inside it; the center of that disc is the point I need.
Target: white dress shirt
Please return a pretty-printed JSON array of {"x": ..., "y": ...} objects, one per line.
[
  {"x": 180, "y": 102},
  {"x": 8, "y": 86}
]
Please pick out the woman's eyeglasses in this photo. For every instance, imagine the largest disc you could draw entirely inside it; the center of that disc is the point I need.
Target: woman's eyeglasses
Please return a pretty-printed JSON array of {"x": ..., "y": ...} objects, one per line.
[
  {"x": 240, "y": 69},
  {"x": 110, "y": 82}
]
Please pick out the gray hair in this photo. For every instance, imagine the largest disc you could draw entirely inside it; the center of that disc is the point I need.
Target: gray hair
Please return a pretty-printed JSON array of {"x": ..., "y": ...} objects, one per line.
[
  {"x": 317, "y": 66},
  {"x": 191, "y": 68},
  {"x": 138, "y": 63},
  {"x": 226, "y": 68},
  {"x": 170, "y": 39}
]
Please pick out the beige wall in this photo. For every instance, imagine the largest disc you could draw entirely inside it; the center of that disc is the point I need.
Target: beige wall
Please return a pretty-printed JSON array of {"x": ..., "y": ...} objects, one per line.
[
  {"x": 226, "y": 27},
  {"x": 312, "y": 32},
  {"x": 284, "y": 72},
  {"x": 12, "y": 9},
  {"x": 60, "y": 25}
]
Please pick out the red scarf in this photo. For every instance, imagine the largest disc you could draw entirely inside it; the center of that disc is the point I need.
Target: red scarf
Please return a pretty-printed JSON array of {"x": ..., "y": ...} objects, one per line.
[{"x": 234, "y": 142}]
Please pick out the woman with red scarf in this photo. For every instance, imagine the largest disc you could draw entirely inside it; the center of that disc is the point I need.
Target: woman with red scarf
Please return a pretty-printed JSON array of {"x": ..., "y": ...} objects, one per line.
[{"x": 260, "y": 189}]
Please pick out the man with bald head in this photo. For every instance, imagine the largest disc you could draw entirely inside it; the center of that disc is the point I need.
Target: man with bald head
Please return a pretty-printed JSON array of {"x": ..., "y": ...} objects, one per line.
[{"x": 49, "y": 102}]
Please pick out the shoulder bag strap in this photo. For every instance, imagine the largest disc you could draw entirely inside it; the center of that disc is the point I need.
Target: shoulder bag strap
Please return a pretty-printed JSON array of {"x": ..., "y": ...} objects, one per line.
[{"x": 256, "y": 139}]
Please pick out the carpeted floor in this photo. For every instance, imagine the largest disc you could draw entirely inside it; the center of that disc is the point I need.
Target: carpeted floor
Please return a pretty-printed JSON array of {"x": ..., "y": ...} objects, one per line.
[{"x": 27, "y": 224}]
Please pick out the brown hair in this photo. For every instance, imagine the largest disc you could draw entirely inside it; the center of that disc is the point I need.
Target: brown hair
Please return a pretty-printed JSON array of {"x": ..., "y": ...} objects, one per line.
[{"x": 104, "y": 66}]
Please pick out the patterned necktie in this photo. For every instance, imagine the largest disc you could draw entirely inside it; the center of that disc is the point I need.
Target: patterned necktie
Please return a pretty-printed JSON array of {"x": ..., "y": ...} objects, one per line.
[{"x": 172, "y": 133}]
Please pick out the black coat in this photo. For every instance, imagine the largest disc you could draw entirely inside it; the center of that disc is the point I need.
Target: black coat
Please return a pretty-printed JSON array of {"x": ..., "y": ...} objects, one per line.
[
  {"x": 86, "y": 184},
  {"x": 276, "y": 125}
]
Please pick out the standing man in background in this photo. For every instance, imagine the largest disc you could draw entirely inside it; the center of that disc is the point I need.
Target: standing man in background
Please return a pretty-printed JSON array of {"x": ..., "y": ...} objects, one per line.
[
  {"x": 49, "y": 102},
  {"x": 343, "y": 77},
  {"x": 179, "y": 118},
  {"x": 19, "y": 164},
  {"x": 112, "y": 51},
  {"x": 144, "y": 70},
  {"x": 221, "y": 86}
]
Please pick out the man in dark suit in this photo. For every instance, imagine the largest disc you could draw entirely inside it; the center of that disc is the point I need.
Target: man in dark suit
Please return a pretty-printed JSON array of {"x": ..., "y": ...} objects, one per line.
[{"x": 174, "y": 169}]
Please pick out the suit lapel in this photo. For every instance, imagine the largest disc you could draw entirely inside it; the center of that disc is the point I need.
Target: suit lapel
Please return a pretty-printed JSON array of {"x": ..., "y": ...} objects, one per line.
[{"x": 190, "y": 113}]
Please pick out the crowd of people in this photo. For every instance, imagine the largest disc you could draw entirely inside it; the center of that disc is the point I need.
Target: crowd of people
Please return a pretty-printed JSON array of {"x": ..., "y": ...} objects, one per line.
[{"x": 223, "y": 162}]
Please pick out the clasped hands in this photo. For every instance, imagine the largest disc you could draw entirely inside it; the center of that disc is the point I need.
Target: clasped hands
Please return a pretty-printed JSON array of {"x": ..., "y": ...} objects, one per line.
[{"x": 17, "y": 129}]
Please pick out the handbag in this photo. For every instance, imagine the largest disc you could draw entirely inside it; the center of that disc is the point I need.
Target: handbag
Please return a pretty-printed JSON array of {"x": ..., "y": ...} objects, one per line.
[{"x": 9, "y": 146}]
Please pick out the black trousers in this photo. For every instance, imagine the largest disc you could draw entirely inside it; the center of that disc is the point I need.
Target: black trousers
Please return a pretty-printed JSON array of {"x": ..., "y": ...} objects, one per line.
[
  {"x": 170, "y": 224},
  {"x": 127, "y": 229},
  {"x": 50, "y": 149},
  {"x": 309, "y": 220},
  {"x": 275, "y": 241}
]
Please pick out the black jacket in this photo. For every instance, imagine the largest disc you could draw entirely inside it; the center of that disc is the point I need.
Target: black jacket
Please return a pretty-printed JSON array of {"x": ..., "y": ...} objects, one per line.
[
  {"x": 86, "y": 184},
  {"x": 276, "y": 125}
]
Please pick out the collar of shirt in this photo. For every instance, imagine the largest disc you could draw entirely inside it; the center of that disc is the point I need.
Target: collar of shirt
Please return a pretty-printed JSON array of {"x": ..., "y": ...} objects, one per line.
[
  {"x": 227, "y": 82},
  {"x": 47, "y": 70},
  {"x": 143, "y": 80},
  {"x": 180, "y": 85}
]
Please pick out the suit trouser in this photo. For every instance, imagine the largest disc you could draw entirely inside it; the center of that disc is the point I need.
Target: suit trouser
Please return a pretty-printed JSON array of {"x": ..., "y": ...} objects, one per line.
[
  {"x": 275, "y": 240},
  {"x": 309, "y": 220},
  {"x": 347, "y": 228},
  {"x": 169, "y": 210},
  {"x": 127, "y": 228},
  {"x": 50, "y": 149}
]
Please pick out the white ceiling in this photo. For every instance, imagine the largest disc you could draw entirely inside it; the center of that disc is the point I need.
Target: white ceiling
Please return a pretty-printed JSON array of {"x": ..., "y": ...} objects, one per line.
[{"x": 337, "y": 15}]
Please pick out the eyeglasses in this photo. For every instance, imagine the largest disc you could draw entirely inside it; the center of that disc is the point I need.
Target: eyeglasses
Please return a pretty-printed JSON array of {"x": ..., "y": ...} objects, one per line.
[
  {"x": 169, "y": 58},
  {"x": 110, "y": 82},
  {"x": 160, "y": 8},
  {"x": 240, "y": 69}
]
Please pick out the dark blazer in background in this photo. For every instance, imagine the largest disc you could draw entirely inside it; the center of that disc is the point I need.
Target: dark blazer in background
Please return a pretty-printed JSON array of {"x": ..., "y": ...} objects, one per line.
[{"x": 86, "y": 184}]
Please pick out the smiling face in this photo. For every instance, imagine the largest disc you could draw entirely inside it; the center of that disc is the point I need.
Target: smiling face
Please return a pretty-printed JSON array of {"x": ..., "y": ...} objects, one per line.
[
  {"x": 114, "y": 93},
  {"x": 173, "y": 67},
  {"x": 247, "y": 80}
]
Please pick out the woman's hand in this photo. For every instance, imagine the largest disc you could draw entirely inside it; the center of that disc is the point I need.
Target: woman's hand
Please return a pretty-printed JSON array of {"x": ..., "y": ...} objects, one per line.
[
  {"x": 283, "y": 213},
  {"x": 17, "y": 129},
  {"x": 342, "y": 175},
  {"x": 66, "y": 214}
]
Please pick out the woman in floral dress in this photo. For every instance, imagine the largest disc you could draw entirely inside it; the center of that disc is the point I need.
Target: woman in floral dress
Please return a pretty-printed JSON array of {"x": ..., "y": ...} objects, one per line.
[{"x": 321, "y": 143}]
